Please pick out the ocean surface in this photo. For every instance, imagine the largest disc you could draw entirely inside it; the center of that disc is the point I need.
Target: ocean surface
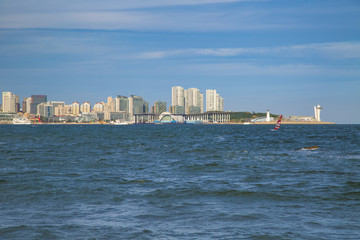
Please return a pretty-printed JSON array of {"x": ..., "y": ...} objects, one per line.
[{"x": 179, "y": 182}]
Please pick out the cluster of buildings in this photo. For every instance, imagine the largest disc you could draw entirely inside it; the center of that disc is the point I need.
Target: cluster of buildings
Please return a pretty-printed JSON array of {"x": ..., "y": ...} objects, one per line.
[
  {"x": 184, "y": 101},
  {"x": 191, "y": 101}
]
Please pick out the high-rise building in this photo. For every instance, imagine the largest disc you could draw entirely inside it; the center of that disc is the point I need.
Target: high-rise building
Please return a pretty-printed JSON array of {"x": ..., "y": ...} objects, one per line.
[
  {"x": 59, "y": 110},
  {"x": 75, "y": 108},
  {"x": 159, "y": 107},
  {"x": 17, "y": 104},
  {"x": 36, "y": 100},
  {"x": 111, "y": 104},
  {"x": 107, "y": 112},
  {"x": 210, "y": 100},
  {"x": 9, "y": 102},
  {"x": 178, "y": 99},
  {"x": 122, "y": 104},
  {"x": 186, "y": 99},
  {"x": 57, "y": 103},
  {"x": 213, "y": 101},
  {"x": 194, "y": 110},
  {"x": 68, "y": 110},
  {"x": 178, "y": 96},
  {"x": 194, "y": 100},
  {"x": 177, "y": 109},
  {"x": 137, "y": 105},
  {"x": 26, "y": 105},
  {"x": 201, "y": 102},
  {"x": 220, "y": 103},
  {"x": 85, "y": 107},
  {"x": 45, "y": 109},
  {"x": 99, "y": 107}
]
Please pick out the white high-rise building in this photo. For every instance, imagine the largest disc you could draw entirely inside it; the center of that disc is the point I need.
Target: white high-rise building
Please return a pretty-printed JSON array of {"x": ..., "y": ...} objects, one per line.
[
  {"x": 186, "y": 101},
  {"x": 211, "y": 103},
  {"x": 201, "y": 102},
  {"x": 210, "y": 100},
  {"x": 220, "y": 103},
  {"x": 193, "y": 98},
  {"x": 85, "y": 107},
  {"x": 214, "y": 102},
  {"x": 178, "y": 96},
  {"x": 9, "y": 101}
]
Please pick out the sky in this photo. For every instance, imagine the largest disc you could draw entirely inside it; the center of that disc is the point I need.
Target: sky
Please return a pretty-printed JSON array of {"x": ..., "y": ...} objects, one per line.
[{"x": 281, "y": 55}]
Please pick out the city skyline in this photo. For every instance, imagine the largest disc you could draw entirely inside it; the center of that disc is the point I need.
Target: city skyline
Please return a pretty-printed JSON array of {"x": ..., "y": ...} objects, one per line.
[
  {"x": 286, "y": 56},
  {"x": 190, "y": 98}
]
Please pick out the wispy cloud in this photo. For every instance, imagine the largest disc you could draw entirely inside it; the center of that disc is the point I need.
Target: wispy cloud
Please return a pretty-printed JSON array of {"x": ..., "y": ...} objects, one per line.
[
  {"x": 333, "y": 50},
  {"x": 158, "y": 15},
  {"x": 95, "y": 5},
  {"x": 221, "y": 52},
  {"x": 267, "y": 71},
  {"x": 139, "y": 20},
  {"x": 338, "y": 50}
]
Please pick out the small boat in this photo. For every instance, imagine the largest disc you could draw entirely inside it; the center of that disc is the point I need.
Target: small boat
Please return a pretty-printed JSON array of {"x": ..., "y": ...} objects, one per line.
[
  {"x": 246, "y": 123},
  {"x": 21, "y": 120},
  {"x": 277, "y": 125},
  {"x": 118, "y": 122},
  {"x": 310, "y": 148}
]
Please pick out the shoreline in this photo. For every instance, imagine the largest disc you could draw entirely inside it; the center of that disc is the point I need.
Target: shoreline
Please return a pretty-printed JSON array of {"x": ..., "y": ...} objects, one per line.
[
  {"x": 230, "y": 123},
  {"x": 287, "y": 122}
]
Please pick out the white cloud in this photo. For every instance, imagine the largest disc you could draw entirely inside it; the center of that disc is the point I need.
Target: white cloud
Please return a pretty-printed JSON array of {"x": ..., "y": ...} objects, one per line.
[
  {"x": 253, "y": 69},
  {"x": 290, "y": 71},
  {"x": 148, "y": 15},
  {"x": 339, "y": 50},
  {"x": 137, "y": 20},
  {"x": 333, "y": 49},
  {"x": 38, "y": 6}
]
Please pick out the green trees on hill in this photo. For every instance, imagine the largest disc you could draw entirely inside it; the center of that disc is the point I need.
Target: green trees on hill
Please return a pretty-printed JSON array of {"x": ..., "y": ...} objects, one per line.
[{"x": 247, "y": 116}]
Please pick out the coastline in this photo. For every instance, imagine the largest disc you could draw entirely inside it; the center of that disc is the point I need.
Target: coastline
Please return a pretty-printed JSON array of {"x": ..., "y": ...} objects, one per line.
[
  {"x": 230, "y": 123},
  {"x": 287, "y": 122}
]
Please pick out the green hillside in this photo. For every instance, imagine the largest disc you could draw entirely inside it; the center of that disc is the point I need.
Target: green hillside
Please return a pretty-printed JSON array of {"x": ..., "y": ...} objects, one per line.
[{"x": 247, "y": 116}]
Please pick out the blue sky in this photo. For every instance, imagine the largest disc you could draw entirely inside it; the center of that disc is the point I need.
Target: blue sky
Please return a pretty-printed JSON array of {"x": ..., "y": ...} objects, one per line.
[{"x": 286, "y": 56}]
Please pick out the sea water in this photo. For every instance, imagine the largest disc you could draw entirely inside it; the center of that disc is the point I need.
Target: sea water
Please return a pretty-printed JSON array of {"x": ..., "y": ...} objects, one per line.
[{"x": 179, "y": 182}]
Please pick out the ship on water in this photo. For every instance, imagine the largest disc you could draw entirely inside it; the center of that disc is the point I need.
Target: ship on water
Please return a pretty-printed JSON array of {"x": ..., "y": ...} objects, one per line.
[{"x": 21, "y": 120}]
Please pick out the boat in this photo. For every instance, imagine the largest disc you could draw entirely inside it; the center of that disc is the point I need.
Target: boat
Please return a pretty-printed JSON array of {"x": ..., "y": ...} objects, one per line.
[
  {"x": 118, "y": 122},
  {"x": 21, "y": 120},
  {"x": 246, "y": 123},
  {"x": 310, "y": 148},
  {"x": 277, "y": 125}
]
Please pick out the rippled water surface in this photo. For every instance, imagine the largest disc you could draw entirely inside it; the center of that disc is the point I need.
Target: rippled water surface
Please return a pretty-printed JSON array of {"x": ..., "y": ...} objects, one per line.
[{"x": 179, "y": 182}]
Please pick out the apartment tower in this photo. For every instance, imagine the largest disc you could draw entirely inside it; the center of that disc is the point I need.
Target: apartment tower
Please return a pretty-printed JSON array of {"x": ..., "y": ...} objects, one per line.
[{"x": 214, "y": 102}]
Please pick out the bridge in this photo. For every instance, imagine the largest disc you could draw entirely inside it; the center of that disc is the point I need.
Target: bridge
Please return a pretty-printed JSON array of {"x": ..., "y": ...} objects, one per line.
[{"x": 208, "y": 117}]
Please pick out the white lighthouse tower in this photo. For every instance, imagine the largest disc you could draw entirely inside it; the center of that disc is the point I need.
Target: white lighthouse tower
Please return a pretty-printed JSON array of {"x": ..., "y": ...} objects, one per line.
[
  {"x": 268, "y": 116},
  {"x": 317, "y": 112}
]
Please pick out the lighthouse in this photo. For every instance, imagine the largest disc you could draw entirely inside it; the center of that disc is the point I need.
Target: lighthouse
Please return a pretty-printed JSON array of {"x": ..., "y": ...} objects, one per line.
[
  {"x": 268, "y": 116},
  {"x": 317, "y": 112}
]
